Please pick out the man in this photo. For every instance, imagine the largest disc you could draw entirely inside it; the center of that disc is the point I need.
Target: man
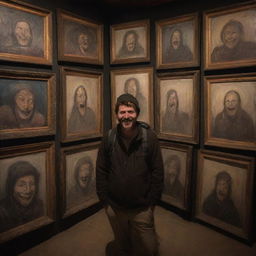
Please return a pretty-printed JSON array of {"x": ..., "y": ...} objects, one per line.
[
  {"x": 129, "y": 180},
  {"x": 21, "y": 203},
  {"x": 234, "y": 47},
  {"x": 83, "y": 187},
  {"x": 132, "y": 86},
  {"x": 82, "y": 117},
  {"x": 22, "y": 112},
  {"x": 219, "y": 203},
  {"x": 131, "y": 46},
  {"x": 177, "y": 51},
  {"x": 173, "y": 119},
  {"x": 233, "y": 122},
  {"x": 23, "y": 33},
  {"x": 173, "y": 186}
]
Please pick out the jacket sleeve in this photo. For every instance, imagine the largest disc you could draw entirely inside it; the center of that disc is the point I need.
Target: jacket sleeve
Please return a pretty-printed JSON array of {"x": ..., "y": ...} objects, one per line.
[
  {"x": 102, "y": 171},
  {"x": 157, "y": 169}
]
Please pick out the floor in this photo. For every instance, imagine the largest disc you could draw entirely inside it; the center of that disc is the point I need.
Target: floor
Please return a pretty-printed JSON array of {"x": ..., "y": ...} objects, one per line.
[{"x": 178, "y": 237}]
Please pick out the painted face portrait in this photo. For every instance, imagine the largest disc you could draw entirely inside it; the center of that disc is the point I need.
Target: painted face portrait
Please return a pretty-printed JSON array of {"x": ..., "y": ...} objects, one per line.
[
  {"x": 23, "y": 33},
  {"x": 24, "y": 100},
  {"x": 130, "y": 42},
  {"x": 222, "y": 189},
  {"x": 176, "y": 39},
  {"x": 172, "y": 171},
  {"x": 173, "y": 102},
  {"x": 84, "y": 175},
  {"x": 83, "y": 41},
  {"x": 231, "y": 103},
  {"x": 81, "y": 97},
  {"x": 132, "y": 87},
  {"x": 231, "y": 36}
]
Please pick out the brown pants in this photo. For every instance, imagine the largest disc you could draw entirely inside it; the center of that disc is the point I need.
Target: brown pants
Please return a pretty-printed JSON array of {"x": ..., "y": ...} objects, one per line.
[{"x": 134, "y": 232}]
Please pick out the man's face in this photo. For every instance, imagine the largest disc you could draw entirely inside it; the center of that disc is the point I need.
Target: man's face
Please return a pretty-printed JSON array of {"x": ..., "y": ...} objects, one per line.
[
  {"x": 23, "y": 33},
  {"x": 132, "y": 88},
  {"x": 126, "y": 116},
  {"x": 231, "y": 103},
  {"x": 84, "y": 175},
  {"x": 83, "y": 41},
  {"x": 24, "y": 100},
  {"x": 81, "y": 98},
  {"x": 130, "y": 42},
  {"x": 176, "y": 39},
  {"x": 222, "y": 189},
  {"x": 231, "y": 36},
  {"x": 172, "y": 171},
  {"x": 24, "y": 190},
  {"x": 173, "y": 102}
]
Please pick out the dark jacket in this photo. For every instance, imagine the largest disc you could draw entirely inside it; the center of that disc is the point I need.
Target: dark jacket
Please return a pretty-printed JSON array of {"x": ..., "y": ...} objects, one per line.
[{"x": 130, "y": 178}]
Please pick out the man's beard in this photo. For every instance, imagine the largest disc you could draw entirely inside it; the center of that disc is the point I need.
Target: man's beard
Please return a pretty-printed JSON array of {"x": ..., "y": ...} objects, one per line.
[{"x": 124, "y": 120}]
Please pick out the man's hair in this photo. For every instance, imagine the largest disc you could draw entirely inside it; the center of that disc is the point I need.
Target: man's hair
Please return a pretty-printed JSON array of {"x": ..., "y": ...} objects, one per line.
[
  {"x": 234, "y": 23},
  {"x": 176, "y": 159},
  {"x": 129, "y": 101}
]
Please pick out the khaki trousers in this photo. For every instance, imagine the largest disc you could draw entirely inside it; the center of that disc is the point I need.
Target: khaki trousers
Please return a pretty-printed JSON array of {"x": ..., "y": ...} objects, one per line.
[{"x": 134, "y": 232}]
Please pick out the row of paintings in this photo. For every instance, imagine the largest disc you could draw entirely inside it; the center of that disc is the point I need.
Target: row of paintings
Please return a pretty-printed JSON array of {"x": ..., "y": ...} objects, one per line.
[
  {"x": 27, "y": 104},
  {"x": 229, "y": 38},
  {"x": 27, "y": 185}
]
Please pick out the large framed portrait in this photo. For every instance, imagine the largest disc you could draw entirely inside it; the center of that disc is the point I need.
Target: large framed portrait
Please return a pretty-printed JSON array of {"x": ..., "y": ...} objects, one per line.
[
  {"x": 229, "y": 36},
  {"x": 230, "y": 119},
  {"x": 78, "y": 177},
  {"x": 177, "y": 174},
  {"x": 130, "y": 42},
  {"x": 27, "y": 189},
  {"x": 80, "y": 39},
  {"x": 177, "y": 106},
  {"x": 26, "y": 33},
  {"x": 27, "y": 104},
  {"x": 177, "y": 42},
  {"x": 139, "y": 83},
  {"x": 82, "y": 107},
  {"x": 224, "y": 191}
]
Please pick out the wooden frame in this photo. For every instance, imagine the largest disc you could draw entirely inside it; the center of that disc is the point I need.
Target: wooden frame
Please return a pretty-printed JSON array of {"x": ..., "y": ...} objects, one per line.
[
  {"x": 17, "y": 119},
  {"x": 229, "y": 36},
  {"x": 222, "y": 94},
  {"x": 32, "y": 163},
  {"x": 81, "y": 122},
  {"x": 134, "y": 34},
  {"x": 178, "y": 119},
  {"x": 78, "y": 194},
  {"x": 80, "y": 39},
  {"x": 177, "y": 42},
  {"x": 138, "y": 82},
  {"x": 177, "y": 172},
  {"x": 26, "y": 33},
  {"x": 228, "y": 179}
]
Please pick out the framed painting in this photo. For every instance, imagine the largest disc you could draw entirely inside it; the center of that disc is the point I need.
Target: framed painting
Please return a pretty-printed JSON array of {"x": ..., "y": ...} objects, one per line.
[
  {"x": 177, "y": 174},
  {"x": 177, "y": 42},
  {"x": 80, "y": 39},
  {"x": 27, "y": 104},
  {"x": 177, "y": 106},
  {"x": 27, "y": 189},
  {"x": 82, "y": 107},
  {"x": 224, "y": 191},
  {"x": 130, "y": 42},
  {"x": 229, "y": 36},
  {"x": 26, "y": 33},
  {"x": 139, "y": 83},
  {"x": 78, "y": 177},
  {"x": 230, "y": 119}
]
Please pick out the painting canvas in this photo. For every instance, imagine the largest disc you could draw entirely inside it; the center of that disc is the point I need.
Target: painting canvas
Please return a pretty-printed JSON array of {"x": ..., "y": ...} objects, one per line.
[
  {"x": 137, "y": 82},
  {"x": 26, "y": 186},
  {"x": 25, "y": 33},
  {"x": 224, "y": 191}
]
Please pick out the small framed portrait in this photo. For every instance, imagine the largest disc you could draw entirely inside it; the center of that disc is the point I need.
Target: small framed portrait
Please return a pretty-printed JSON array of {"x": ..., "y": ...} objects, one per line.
[
  {"x": 130, "y": 42},
  {"x": 26, "y": 33},
  {"x": 177, "y": 42},
  {"x": 229, "y": 36},
  {"x": 82, "y": 108},
  {"x": 78, "y": 177},
  {"x": 177, "y": 174},
  {"x": 177, "y": 106},
  {"x": 230, "y": 119},
  {"x": 224, "y": 191},
  {"x": 27, "y": 104},
  {"x": 27, "y": 189},
  {"x": 137, "y": 82},
  {"x": 80, "y": 40}
]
